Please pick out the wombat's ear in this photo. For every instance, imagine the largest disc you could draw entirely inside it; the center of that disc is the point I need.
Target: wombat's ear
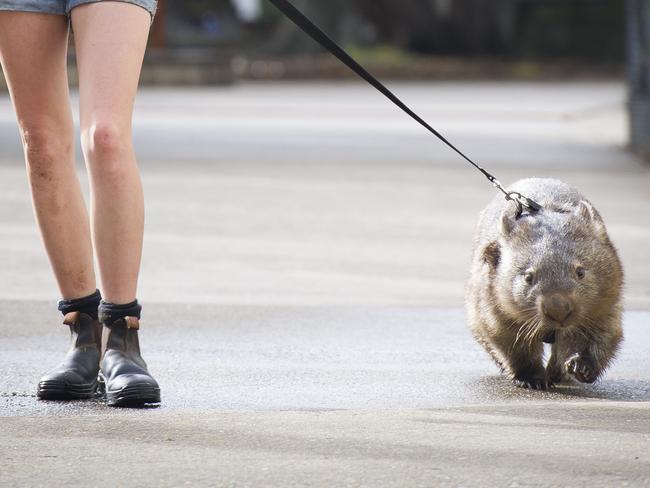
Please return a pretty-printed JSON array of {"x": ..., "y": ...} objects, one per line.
[
  {"x": 492, "y": 254},
  {"x": 588, "y": 213},
  {"x": 508, "y": 220}
]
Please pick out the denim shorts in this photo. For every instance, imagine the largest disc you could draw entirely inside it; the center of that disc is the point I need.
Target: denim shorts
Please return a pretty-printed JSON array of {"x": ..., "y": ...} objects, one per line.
[{"x": 63, "y": 7}]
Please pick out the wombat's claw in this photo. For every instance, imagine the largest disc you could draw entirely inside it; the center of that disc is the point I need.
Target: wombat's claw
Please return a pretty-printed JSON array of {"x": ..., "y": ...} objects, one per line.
[
  {"x": 533, "y": 383},
  {"x": 581, "y": 369}
]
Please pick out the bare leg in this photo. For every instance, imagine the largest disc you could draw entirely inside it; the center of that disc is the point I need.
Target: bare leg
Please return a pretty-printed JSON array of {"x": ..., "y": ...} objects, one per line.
[
  {"x": 33, "y": 51},
  {"x": 110, "y": 40}
]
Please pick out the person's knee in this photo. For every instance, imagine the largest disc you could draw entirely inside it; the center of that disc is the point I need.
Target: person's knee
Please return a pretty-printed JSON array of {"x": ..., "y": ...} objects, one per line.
[
  {"x": 105, "y": 144},
  {"x": 47, "y": 147}
]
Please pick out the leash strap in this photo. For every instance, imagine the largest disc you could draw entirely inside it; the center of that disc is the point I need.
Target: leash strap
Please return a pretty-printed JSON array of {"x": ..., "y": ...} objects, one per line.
[{"x": 298, "y": 18}]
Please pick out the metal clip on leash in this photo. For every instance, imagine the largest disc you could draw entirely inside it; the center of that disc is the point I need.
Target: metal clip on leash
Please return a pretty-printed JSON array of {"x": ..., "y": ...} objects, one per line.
[
  {"x": 298, "y": 18},
  {"x": 522, "y": 202}
]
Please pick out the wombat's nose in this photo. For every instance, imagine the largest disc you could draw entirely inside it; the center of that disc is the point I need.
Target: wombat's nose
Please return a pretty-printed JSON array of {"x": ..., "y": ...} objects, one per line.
[{"x": 557, "y": 306}]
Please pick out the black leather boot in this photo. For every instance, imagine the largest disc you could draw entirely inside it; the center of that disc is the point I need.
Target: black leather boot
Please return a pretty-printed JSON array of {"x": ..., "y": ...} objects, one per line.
[
  {"x": 127, "y": 380},
  {"x": 76, "y": 376}
]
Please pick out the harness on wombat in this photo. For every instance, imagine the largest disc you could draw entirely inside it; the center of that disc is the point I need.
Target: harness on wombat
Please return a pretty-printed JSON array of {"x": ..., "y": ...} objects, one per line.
[{"x": 298, "y": 18}]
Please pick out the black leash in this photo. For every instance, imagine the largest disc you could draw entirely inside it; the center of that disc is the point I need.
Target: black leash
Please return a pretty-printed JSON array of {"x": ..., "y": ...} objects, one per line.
[{"x": 298, "y": 18}]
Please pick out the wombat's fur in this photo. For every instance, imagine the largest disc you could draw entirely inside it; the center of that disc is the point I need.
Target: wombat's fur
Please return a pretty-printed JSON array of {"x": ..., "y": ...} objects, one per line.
[{"x": 550, "y": 276}]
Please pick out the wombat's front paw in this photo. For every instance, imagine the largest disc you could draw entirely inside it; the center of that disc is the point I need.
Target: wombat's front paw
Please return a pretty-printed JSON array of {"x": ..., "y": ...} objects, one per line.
[
  {"x": 582, "y": 368},
  {"x": 556, "y": 375},
  {"x": 533, "y": 383}
]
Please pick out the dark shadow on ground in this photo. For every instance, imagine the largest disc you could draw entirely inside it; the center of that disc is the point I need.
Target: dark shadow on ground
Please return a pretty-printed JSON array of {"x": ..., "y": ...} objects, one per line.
[{"x": 499, "y": 388}]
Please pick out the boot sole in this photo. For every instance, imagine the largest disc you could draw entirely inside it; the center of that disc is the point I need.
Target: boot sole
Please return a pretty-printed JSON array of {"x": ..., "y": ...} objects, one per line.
[
  {"x": 133, "y": 396},
  {"x": 60, "y": 390}
]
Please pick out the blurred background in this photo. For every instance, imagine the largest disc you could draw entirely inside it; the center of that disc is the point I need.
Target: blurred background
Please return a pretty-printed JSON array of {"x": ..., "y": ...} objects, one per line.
[
  {"x": 207, "y": 42},
  {"x": 223, "y": 41}
]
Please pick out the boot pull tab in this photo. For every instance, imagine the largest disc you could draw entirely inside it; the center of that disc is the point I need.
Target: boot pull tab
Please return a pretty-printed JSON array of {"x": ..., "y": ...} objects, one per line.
[
  {"x": 132, "y": 323},
  {"x": 71, "y": 318}
]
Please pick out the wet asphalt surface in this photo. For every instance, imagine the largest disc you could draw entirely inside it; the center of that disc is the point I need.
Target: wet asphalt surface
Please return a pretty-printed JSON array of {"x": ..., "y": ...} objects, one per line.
[
  {"x": 306, "y": 358},
  {"x": 334, "y": 396}
]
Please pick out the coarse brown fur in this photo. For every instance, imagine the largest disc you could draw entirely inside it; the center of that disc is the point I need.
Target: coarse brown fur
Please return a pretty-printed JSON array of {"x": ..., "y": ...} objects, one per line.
[{"x": 550, "y": 275}]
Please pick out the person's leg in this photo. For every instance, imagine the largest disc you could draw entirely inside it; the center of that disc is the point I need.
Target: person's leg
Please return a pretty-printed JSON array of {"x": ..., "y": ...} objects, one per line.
[
  {"x": 110, "y": 40},
  {"x": 33, "y": 49}
]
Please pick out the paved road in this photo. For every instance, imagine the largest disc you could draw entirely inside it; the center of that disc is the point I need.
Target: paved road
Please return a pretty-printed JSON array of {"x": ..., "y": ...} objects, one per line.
[{"x": 304, "y": 265}]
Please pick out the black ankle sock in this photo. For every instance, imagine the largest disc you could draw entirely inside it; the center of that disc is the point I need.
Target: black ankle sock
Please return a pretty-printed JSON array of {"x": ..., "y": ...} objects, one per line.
[
  {"x": 87, "y": 305},
  {"x": 110, "y": 312}
]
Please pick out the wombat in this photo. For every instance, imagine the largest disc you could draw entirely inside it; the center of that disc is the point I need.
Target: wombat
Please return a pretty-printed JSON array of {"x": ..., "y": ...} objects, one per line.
[{"x": 549, "y": 276}]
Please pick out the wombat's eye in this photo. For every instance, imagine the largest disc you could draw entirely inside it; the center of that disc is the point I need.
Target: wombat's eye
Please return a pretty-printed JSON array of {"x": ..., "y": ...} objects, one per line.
[
  {"x": 580, "y": 272},
  {"x": 529, "y": 277}
]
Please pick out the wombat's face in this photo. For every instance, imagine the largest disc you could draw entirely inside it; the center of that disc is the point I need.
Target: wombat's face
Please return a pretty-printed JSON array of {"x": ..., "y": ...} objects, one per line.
[{"x": 554, "y": 268}]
